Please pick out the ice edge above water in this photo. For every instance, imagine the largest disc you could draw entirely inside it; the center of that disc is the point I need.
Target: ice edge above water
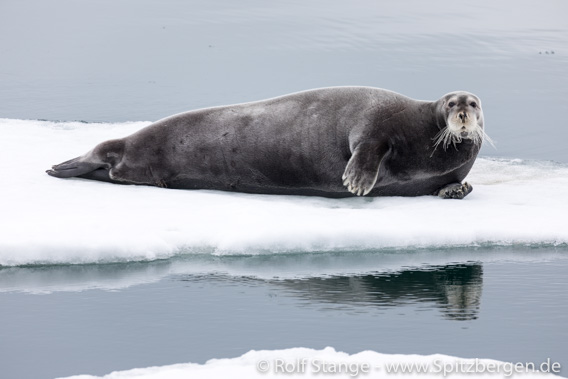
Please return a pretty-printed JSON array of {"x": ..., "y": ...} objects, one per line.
[
  {"x": 304, "y": 362},
  {"x": 49, "y": 221}
]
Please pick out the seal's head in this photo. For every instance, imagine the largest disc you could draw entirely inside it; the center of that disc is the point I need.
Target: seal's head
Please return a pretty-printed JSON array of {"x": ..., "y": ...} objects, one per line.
[
  {"x": 463, "y": 114},
  {"x": 461, "y": 118}
]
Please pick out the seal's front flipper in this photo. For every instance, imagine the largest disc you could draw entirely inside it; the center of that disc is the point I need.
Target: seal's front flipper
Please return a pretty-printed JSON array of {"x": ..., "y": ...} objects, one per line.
[
  {"x": 362, "y": 169},
  {"x": 74, "y": 167},
  {"x": 455, "y": 191}
]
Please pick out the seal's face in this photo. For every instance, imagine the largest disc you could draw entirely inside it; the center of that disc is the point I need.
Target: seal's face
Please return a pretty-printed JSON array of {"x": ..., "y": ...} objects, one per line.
[
  {"x": 462, "y": 120},
  {"x": 464, "y": 114}
]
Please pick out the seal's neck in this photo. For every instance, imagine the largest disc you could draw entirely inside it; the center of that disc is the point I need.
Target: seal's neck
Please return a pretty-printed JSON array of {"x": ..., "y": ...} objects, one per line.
[{"x": 438, "y": 114}]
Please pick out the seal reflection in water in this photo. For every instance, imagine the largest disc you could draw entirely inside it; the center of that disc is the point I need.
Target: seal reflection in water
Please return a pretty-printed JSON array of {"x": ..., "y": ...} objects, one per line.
[
  {"x": 333, "y": 142},
  {"x": 454, "y": 289}
]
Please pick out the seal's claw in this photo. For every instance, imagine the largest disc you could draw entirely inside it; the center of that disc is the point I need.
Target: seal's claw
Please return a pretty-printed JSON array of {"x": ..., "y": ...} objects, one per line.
[
  {"x": 362, "y": 169},
  {"x": 358, "y": 182},
  {"x": 455, "y": 191}
]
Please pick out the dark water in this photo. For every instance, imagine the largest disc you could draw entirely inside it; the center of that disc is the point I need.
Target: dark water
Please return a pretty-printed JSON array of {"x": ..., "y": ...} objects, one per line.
[{"x": 507, "y": 304}]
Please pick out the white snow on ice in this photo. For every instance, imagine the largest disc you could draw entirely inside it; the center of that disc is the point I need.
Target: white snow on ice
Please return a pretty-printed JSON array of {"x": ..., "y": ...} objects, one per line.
[
  {"x": 288, "y": 364},
  {"x": 44, "y": 220}
]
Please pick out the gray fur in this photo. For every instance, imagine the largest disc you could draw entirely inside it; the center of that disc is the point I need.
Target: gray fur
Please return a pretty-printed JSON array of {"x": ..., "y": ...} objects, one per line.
[{"x": 333, "y": 142}]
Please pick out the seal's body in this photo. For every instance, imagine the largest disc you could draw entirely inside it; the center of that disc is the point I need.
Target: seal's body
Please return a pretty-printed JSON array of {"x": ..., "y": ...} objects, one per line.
[{"x": 333, "y": 142}]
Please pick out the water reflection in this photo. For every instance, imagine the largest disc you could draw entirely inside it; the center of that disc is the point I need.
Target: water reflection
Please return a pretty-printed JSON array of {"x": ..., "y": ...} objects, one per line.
[
  {"x": 203, "y": 307},
  {"x": 77, "y": 278},
  {"x": 448, "y": 279},
  {"x": 454, "y": 289}
]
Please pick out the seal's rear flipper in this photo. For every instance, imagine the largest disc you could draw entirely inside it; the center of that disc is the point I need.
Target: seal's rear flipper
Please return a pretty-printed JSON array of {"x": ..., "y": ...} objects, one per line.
[{"x": 74, "y": 167}]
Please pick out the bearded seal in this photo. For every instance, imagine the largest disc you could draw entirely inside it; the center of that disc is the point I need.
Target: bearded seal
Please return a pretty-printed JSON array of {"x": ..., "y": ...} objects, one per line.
[{"x": 332, "y": 142}]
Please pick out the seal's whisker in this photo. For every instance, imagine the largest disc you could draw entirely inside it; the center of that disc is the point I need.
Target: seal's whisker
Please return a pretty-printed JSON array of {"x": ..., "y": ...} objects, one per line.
[
  {"x": 438, "y": 138},
  {"x": 485, "y": 137},
  {"x": 444, "y": 137},
  {"x": 455, "y": 142},
  {"x": 479, "y": 136}
]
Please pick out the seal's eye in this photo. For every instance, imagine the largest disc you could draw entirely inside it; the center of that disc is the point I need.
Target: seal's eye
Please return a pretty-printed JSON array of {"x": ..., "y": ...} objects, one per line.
[
  {"x": 473, "y": 104},
  {"x": 451, "y": 104}
]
